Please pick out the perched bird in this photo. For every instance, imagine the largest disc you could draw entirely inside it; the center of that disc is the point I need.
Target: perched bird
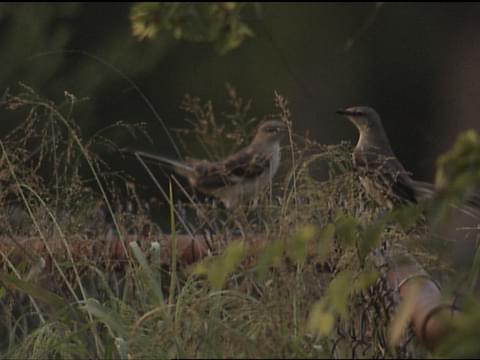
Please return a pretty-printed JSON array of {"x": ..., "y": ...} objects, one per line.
[
  {"x": 240, "y": 175},
  {"x": 382, "y": 175},
  {"x": 385, "y": 180}
]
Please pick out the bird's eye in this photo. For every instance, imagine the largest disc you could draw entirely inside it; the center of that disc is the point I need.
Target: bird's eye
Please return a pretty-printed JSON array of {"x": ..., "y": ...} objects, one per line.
[{"x": 271, "y": 129}]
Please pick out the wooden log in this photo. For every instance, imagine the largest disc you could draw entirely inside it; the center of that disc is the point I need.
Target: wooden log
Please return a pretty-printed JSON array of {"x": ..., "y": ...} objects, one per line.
[{"x": 430, "y": 315}]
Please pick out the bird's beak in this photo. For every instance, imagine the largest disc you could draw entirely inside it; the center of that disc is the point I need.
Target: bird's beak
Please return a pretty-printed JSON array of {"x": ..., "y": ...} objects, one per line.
[
  {"x": 350, "y": 115},
  {"x": 344, "y": 112}
]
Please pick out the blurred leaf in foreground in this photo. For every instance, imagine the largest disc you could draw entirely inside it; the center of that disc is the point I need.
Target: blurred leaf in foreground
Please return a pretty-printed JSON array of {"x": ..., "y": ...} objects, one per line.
[
  {"x": 297, "y": 246},
  {"x": 459, "y": 169},
  {"x": 346, "y": 228},
  {"x": 217, "y": 269},
  {"x": 335, "y": 302},
  {"x": 321, "y": 320},
  {"x": 462, "y": 341},
  {"x": 218, "y": 23}
]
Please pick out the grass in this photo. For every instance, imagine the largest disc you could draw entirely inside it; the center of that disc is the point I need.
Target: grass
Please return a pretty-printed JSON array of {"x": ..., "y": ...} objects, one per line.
[{"x": 315, "y": 288}]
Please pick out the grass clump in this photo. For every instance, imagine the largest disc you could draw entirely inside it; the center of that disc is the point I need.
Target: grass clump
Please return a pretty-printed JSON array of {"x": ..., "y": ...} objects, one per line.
[{"x": 299, "y": 273}]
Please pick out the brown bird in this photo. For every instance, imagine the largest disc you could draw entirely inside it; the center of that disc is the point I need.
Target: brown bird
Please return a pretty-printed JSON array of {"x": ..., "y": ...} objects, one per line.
[
  {"x": 240, "y": 175},
  {"x": 382, "y": 175}
]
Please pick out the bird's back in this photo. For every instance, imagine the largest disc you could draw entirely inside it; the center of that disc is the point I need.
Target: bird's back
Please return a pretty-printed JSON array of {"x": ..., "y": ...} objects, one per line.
[{"x": 247, "y": 164}]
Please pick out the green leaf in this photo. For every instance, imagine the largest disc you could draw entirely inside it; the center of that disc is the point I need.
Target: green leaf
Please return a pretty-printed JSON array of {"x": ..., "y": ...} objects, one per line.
[
  {"x": 458, "y": 170},
  {"x": 36, "y": 292},
  {"x": 407, "y": 216},
  {"x": 122, "y": 348},
  {"x": 320, "y": 320},
  {"x": 370, "y": 237},
  {"x": 271, "y": 256},
  {"x": 233, "y": 38},
  {"x": 346, "y": 228},
  {"x": 173, "y": 231},
  {"x": 143, "y": 19},
  {"x": 108, "y": 353},
  {"x": 218, "y": 23},
  {"x": 105, "y": 316},
  {"x": 217, "y": 269},
  {"x": 438, "y": 210},
  {"x": 147, "y": 270},
  {"x": 297, "y": 246},
  {"x": 339, "y": 292},
  {"x": 461, "y": 340},
  {"x": 365, "y": 279}
]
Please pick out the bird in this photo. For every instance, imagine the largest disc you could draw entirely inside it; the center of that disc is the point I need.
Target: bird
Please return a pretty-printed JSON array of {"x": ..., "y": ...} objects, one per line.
[
  {"x": 385, "y": 180},
  {"x": 381, "y": 173},
  {"x": 240, "y": 175}
]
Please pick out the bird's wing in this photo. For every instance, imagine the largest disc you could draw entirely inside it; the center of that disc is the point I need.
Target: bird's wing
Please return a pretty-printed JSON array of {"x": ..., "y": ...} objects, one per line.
[
  {"x": 244, "y": 165},
  {"x": 248, "y": 164},
  {"x": 403, "y": 188},
  {"x": 389, "y": 173}
]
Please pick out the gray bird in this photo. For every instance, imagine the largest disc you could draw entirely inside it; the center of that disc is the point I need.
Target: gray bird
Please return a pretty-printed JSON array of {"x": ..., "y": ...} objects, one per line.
[
  {"x": 240, "y": 175},
  {"x": 385, "y": 179},
  {"x": 382, "y": 175}
]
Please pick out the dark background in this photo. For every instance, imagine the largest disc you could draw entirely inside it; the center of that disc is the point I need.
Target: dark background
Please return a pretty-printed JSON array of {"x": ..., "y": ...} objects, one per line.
[{"x": 417, "y": 64}]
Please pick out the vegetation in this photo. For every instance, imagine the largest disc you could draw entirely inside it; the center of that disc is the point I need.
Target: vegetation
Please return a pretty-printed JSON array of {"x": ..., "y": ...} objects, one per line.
[
  {"x": 217, "y": 23},
  {"x": 315, "y": 286}
]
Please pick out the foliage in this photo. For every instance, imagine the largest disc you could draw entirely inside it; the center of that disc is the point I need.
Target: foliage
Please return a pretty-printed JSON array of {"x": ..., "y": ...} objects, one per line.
[
  {"x": 459, "y": 169},
  {"x": 462, "y": 342},
  {"x": 214, "y": 136},
  {"x": 219, "y": 23},
  {"x": 458, "y": 175},
  {"x": 315, "y": 288}
]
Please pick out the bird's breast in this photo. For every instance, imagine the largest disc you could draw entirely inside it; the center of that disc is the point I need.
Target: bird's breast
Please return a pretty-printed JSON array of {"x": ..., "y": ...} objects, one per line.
[
  {"x": 358, "y": 159},
  {"x": 275, "y": 160}
]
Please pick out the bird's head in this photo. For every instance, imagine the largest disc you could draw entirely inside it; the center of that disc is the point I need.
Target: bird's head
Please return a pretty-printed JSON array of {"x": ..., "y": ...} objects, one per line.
[
  {"x": 271, "y": 131},
  {"x": 369, "y": 125},
  {"x": 363, "y": 117}
]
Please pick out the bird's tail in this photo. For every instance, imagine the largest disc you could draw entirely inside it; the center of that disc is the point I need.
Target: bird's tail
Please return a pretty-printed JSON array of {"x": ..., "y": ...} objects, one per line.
[
  {"x": 423, "y": 190},
  {"x": 471, "y": 205},
  {"x": 179, "y": 167}
]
